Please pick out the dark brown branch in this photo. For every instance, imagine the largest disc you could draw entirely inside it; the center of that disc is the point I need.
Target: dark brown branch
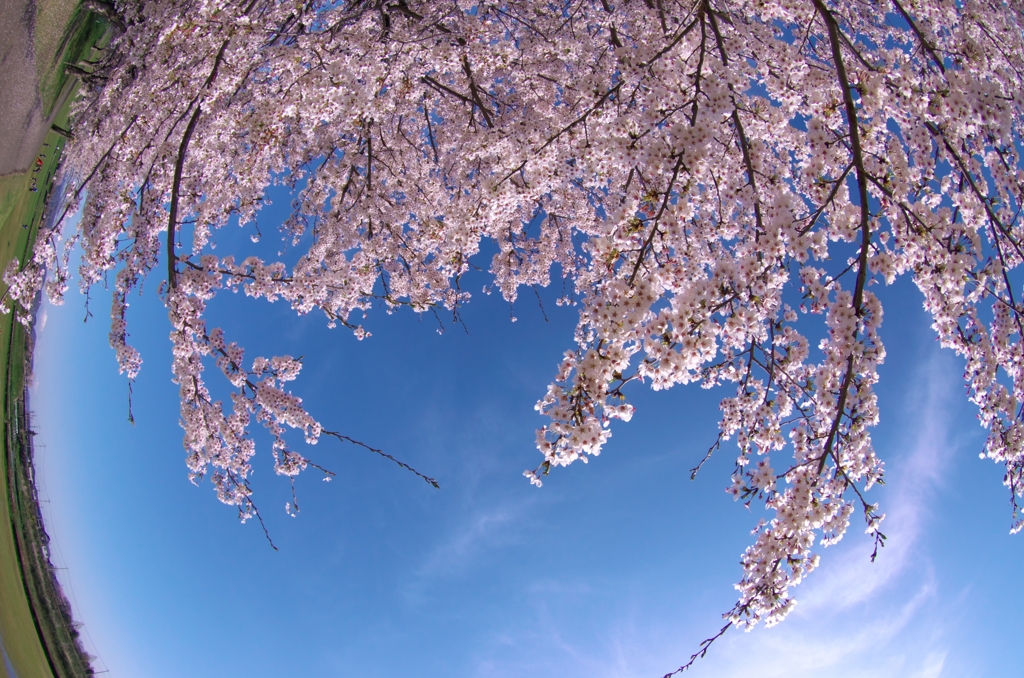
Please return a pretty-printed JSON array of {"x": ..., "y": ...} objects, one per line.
[
  {"x": 831, "y": 196},
  {"x": 705, "y": 645},
  {"x": 256, "y": 512},
  {"x": 475, "y": 91},
  {"x": 740, "y": 133},
  {"x": 179, "y": 165},
  {"x": 430, "y": 131},
  {"x": 105, "y": 156},
  {"x": 582, "y": 118},
  {"x": 614, "y": 39},
  {"x": 654, "y": 228},
  {"x": 172, "y": 220},
  {"x": 216, "y": 65},
  {"x": 993, "y": 218},
  {"x": 384, "y": 454},
  {"x": 711, "y": 450},
  {"x": 682, "y": 34},
  {"x": 447, "y": 90},
  {"x": 844, "y": 389},
  {"x": 865, "y": 216},
  {"x": 928, "y": 47},
  {"x": 748, "y": 164}
]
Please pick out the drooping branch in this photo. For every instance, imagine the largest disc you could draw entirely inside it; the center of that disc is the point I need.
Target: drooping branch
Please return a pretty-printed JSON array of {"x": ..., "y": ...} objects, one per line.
[
  {"x": 172, "y": 217},
  {"x": 925, "y": 43},
  {"x": 186, "y": 138},
  {"x": 427, "y": 479},
  {"x": 580, "y": 114},
  {"x": 649, "y": 241},
  {"x": 865, "y": 217},
  {"x": 702, "y": 652}
]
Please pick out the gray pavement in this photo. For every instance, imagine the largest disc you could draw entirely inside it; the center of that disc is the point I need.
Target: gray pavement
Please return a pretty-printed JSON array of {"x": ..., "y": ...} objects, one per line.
[{"x": 22, "y": 125}]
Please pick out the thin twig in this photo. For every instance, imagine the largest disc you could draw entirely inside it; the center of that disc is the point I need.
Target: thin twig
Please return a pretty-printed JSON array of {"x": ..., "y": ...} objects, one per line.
[
  {"x": 382, "y": 453},
  {"x": 705, "y": 645}
]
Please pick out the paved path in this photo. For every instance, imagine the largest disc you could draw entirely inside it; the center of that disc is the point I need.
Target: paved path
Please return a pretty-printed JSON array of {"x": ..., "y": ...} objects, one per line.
[{"x": 22, "y": 125}]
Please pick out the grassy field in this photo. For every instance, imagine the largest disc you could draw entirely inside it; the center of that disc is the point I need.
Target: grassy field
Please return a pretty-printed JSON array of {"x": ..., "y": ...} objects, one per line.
[
  {"x": 35, "y": 618},
  {"x": 68, "y": 33},
  {"x": 51, "y": 612},
  {"x": 17, "y": 625},
  {"x": 24, "y": 619}
]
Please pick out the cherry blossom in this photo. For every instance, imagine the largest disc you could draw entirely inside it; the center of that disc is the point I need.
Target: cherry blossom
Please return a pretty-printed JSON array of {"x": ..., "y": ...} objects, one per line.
[{"x": 708, "y": 175}]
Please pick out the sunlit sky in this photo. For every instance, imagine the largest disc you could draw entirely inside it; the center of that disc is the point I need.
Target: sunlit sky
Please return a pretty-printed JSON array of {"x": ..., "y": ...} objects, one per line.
[{"x": 616, "y": 568}]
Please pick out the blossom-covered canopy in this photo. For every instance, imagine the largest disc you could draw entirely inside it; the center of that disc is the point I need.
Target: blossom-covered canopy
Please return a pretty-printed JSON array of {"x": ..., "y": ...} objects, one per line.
[{"x": 702, "y": 172}]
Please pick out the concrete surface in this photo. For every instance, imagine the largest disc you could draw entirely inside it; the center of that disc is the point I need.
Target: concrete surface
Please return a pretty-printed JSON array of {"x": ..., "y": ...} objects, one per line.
[{"x": 22, "y": 125}]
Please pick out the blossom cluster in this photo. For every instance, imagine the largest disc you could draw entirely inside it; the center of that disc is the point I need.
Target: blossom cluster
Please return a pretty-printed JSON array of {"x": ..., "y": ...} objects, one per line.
[{"x": 709, "y": 175}]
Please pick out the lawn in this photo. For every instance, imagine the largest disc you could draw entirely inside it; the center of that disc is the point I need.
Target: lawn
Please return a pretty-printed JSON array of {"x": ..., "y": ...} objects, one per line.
[
  {"x": 19, "y": 207},
  {"x": 68, "y": 33},
  {"x": 34, "y": 617}
]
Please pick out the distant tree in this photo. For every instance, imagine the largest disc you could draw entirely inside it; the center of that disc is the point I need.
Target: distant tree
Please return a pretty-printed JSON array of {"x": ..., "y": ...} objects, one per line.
[{"x": 702, "y": 172}]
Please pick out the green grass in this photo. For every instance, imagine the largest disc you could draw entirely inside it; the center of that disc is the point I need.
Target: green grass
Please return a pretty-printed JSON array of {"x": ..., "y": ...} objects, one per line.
[
  {"x": 35, "y": 620},
  {"x": 12, "y": 188},
  {"x": 67, "y": 33},
  {"x": 17, "y": 624},
  {"x": 51, "y": 612},
  {"x": 53, "y": 19}
]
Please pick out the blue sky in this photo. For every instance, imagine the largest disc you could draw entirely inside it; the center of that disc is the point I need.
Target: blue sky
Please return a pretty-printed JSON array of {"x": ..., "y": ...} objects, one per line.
[{"x": 616, "y": 568}]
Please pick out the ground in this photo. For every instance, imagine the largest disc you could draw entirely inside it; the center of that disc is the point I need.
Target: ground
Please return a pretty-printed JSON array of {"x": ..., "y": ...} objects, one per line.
[{"x": 37, "y": 93}]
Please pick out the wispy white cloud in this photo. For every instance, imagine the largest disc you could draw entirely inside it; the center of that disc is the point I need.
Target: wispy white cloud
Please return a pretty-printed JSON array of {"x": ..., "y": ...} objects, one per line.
[
  {"x": 471, "y": 545},
  {"x": 467, "y": 541},
  {"x": 932, "y": 666},
  {"x": 853, "y": 615},
  {"x": 851, "y": 580}
]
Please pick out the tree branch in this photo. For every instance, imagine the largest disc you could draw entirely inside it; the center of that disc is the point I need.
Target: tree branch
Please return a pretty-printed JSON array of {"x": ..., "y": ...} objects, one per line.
[
  {"x": 384, "y": 454},
  {"x": 865, "y": 215},
  {"x": 172, "y": 218}
]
